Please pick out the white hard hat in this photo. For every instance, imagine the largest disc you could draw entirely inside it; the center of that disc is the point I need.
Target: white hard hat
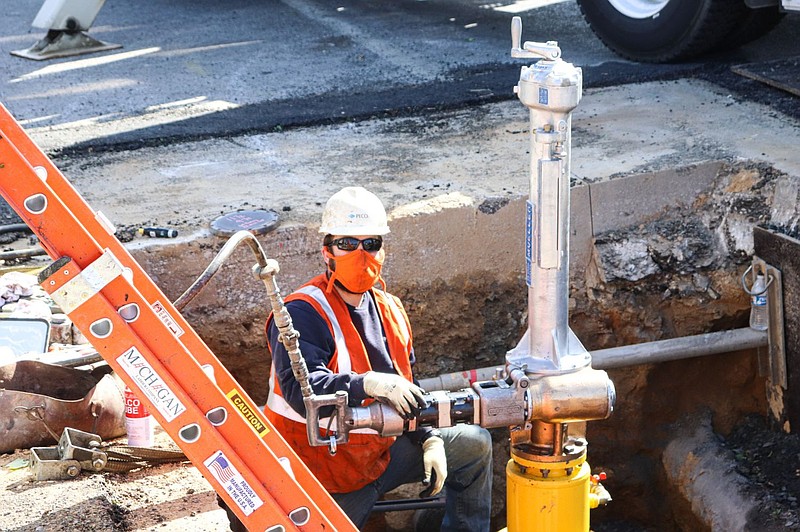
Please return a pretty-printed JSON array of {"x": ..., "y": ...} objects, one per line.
[{"x": 354, "y": 211}]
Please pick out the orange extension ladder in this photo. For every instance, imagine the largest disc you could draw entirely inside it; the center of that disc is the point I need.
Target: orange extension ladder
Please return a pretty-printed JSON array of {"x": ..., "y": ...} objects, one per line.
[{"x": 147, "y": 342}]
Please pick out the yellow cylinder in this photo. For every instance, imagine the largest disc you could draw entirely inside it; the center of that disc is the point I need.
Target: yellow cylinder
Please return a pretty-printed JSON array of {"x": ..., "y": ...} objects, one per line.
[{"x": 547, "y": 496}]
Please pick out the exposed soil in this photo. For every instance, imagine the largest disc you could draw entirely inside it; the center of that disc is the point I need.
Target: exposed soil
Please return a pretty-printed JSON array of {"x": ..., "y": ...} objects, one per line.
[
  {"x": 174, "y": 497},
  {"x": 170, "y": 497},
  {"x": 770, "y": 460},
  {"x": 425, "y": 162}
]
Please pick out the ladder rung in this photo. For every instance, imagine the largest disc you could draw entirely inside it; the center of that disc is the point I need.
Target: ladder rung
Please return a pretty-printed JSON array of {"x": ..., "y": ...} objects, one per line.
[{"x": 211, "y": 420}]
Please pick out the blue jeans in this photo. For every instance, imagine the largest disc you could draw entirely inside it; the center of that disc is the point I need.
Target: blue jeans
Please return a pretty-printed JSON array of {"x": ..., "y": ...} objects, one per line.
[{"x": 468, "y": 487}]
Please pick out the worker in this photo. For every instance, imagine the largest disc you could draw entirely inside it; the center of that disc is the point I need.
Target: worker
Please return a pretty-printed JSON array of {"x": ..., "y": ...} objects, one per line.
[{"x": 355, "y": 337}]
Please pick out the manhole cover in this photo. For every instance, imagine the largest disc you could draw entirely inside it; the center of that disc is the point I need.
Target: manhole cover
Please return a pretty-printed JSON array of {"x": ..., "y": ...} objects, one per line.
[{"x": 258, "y": 222}]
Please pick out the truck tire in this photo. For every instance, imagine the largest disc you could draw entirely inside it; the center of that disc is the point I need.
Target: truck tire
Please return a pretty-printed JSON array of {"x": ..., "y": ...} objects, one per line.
[
  {"x": 660, "y": 31},
  {"x": 756, "y": 23}
]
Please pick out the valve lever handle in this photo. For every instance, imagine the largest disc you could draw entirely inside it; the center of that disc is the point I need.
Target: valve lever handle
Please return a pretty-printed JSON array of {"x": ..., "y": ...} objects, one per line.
[
  {"x": 516, "y": 35},
  {"x": 539, "y": 50}
]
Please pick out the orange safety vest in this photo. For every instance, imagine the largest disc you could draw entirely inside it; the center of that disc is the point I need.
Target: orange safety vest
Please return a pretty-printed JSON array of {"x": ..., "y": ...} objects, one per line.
[{"x": 366, "y": 455}]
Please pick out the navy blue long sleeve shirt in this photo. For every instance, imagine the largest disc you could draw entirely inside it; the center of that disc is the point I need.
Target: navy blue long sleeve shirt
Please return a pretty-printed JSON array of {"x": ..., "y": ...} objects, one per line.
[{"x": 317, "y": 346}]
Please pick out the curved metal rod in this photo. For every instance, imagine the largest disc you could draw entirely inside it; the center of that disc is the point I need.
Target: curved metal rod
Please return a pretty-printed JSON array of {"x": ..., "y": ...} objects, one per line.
[
  {"x": 265, "y": 270},
  {"x": 213, "y": 267}
]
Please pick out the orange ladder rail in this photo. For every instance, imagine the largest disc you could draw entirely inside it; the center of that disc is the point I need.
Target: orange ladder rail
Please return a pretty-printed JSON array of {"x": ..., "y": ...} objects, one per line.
[{"x": 157, "y": 353}]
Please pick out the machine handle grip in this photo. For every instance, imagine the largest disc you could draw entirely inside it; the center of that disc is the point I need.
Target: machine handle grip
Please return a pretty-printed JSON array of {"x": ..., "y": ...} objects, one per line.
[
  {"x": 516, "y": 34},
  {"x": 313, "y": 405}
]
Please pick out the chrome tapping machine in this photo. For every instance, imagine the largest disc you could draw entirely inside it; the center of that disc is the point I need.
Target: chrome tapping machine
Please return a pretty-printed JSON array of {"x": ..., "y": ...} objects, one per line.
[
  {"x": 550, "y": 486},
  {"x": 548, "y": 382}
]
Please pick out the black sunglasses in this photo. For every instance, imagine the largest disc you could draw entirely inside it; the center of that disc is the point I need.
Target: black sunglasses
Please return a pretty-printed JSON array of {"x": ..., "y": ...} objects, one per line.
[{"x": 349, "y": 243}]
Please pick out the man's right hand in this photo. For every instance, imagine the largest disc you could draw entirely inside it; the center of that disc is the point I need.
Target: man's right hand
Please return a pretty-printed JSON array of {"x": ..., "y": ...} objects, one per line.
[{"x": 394, "y": 390}]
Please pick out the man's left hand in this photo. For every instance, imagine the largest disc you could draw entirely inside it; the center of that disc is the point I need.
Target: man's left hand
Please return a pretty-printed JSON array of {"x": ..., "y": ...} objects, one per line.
[
  {"x": 394, "y": 390},
  {"x": 434, "y": 459}
]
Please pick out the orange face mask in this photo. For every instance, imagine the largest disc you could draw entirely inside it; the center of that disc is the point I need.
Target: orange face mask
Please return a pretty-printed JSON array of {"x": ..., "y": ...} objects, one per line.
[{"x": 358, "y": 271}]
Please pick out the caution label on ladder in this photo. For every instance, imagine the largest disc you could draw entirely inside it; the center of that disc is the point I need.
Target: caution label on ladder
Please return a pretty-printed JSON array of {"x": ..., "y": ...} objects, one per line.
[
  {"x": 251, "y": 417},
  {"x": 164, "y": 316}
]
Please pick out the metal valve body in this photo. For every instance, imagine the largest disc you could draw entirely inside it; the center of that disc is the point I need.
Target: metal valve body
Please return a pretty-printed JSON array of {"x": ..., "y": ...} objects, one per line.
[
  {"x": 548, "y": 381},
  {"x": 547, "y": 473}
]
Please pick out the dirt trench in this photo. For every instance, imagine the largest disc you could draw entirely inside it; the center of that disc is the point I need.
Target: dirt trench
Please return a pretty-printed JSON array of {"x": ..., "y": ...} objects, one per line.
[
  {"x": 458, "y": 265},
  {"x": 646, "y": 266}
]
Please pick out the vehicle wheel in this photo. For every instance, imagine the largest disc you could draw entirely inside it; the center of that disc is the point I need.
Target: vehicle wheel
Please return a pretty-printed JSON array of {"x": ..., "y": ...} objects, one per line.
[
  {"x": 661, "y": 31},
  {"x": 757, "y": 23}
]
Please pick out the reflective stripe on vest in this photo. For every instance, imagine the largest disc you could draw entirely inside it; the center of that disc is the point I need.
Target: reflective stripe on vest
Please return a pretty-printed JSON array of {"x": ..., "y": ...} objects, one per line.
[
  {"x": 278, "y": 404},
  {"x": 338, "y": 336},
  {"x": 399, "y": 318}
]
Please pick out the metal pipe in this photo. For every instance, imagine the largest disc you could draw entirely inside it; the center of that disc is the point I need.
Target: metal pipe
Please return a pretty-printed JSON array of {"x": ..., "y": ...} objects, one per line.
[
  {"x": 629, "y": 355},
  {"x": 679, "y": 348},
  {"x": 22, "y": 253},
  {"x": 458, "y": 380}
]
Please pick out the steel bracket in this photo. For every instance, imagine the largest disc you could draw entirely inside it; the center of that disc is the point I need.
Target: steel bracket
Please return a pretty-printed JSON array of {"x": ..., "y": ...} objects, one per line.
[
  {"x": 64, "y": 44},
  {"x": 772, "y": 362},
  {"x": 76, "y": 451}
]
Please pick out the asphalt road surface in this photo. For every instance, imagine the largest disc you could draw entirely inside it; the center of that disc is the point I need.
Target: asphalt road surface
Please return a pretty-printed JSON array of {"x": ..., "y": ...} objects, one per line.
[{"x": 193, "y": 69}]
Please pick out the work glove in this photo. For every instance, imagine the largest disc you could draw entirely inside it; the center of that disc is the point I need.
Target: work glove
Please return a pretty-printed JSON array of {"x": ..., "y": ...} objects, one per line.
[
  {"x": 435, "y": 462},
  {"x": 404, "y": 396}
]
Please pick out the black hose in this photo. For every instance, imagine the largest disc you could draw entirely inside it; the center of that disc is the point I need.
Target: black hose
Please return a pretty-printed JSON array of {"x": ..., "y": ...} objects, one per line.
[
  {"x": 12, "y": 228},
  {"x": 20, "y": 253},
  {"x": 397, "y": 505}
]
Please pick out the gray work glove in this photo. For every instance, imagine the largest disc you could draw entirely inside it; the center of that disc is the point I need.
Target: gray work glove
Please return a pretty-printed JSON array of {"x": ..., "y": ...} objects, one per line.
[
  {"x": 434, "y": 459},
  {"x": 402, "y": 395}
]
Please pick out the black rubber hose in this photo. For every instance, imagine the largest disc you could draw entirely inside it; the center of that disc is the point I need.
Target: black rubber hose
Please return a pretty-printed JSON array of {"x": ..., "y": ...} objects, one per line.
[
  {"x": 22, "y": 253},
  {"x": 15, "y": 228}
]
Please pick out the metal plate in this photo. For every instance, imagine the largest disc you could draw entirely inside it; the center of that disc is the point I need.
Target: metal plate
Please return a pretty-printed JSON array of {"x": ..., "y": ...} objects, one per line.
[
  {"x": 777, "y": 345},
  {"x": 258, "y": 222},
  {"x": 783, "y": 74},
  {"x": 782, "y": 252},
  {"x": 64, "y": 44}
]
